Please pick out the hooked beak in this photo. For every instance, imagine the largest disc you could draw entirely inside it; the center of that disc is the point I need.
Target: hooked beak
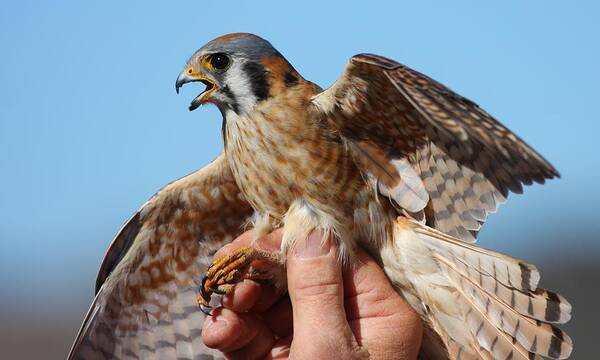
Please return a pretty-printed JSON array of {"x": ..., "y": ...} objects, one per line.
[{"x": 190, "y": 75}]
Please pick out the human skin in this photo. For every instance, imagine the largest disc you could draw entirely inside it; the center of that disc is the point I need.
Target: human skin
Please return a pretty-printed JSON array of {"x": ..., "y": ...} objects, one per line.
[{"x": 329, "y": 312}]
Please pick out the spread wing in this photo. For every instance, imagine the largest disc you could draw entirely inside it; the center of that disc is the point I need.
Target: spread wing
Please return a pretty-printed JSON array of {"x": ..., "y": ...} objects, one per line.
[
  {"x": 433, "y": 152},
  {"x": 145, "y": 304}
]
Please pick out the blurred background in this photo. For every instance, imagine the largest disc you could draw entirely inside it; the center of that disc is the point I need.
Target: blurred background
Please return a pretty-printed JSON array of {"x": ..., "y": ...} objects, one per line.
[{"x": 90, "y": 127}]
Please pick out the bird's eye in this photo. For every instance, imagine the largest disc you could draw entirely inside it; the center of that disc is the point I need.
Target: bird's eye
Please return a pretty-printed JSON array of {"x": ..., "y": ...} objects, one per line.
[{"x": 219, "y": 61}]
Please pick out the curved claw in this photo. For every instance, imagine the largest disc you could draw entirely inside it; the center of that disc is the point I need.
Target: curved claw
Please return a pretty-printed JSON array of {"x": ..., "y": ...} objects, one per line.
[
  {"x": 206, "y": 309},
  {"x": 203, "y": 293},
  {"x": 218, "y": 291},
  {"x": 224, "y": 273}
]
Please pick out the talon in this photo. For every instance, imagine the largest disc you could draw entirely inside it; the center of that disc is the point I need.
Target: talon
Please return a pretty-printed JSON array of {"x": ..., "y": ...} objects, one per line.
[
  {"x": 258, "y": 275},
  {"x": 223, "y": 289},
  {"x": 218, "y": 291},
  {"x": 204, "y": 295},
  {"x": 233, "y": 277},
  {"x": 206, "y": 309},
  {"x": 210, "y": 267},
  {"x": 204, "y": 280},
  {"x": 227, "y": 271}
]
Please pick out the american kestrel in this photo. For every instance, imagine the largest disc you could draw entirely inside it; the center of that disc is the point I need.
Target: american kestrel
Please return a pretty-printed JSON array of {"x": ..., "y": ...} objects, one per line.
[{"x": 386, "y": 159}]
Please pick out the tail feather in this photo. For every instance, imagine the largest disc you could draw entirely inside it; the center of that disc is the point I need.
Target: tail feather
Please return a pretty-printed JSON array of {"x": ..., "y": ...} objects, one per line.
[
  {"x": 470, "y": 261},
  {"x": 502, "y": 268},
  {"x": 481, "y": 352},
  {"x": 486, "y": 335},
  {"x": 471, "y": 352},
  {"x": 538, "y": 337},
  {"x": 495, "y": 296},
  {"x": 547, "y": 306},
  {"x": 539, "y": 304}
]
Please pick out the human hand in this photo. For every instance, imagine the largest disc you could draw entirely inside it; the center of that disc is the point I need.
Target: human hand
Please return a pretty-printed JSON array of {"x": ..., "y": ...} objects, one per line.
[{"x": 329, "y": 313}]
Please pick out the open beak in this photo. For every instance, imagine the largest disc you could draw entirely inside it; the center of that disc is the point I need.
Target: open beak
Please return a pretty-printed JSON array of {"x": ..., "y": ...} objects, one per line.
[{"x": 189, "y": 75}]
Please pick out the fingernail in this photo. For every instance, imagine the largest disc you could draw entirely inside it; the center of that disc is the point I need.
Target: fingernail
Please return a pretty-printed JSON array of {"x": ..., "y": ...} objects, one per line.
[{"x": 313, "y": 246}]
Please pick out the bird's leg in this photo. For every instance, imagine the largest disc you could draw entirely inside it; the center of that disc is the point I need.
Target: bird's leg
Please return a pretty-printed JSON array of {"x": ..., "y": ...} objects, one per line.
[{"x": 230, "y": 269}]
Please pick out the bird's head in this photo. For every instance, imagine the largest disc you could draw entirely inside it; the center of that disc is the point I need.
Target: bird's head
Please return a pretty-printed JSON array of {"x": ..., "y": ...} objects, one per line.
[{"x": 239, "y": 71}]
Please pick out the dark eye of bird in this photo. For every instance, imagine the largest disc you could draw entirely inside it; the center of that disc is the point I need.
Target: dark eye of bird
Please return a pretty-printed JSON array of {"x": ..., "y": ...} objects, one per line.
[{"x": 219, "y": 61}]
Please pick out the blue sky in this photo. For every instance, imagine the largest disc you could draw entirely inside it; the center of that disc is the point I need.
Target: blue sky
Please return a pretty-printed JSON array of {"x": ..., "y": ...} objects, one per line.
[{"x": 90, "y": 125}]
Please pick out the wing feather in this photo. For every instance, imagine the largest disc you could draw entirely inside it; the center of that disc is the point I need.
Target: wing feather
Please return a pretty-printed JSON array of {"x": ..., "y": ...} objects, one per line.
[
  {"x": 145, "y": 304},
  {"x": 388, "y": 114}
]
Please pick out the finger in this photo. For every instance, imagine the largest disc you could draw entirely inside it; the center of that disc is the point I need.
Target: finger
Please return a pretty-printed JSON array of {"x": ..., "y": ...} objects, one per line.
[
  {"x": 367, "y": 290},
  {"x": 225, "y": 330},
  {"x": 251, "y": 295},
  {"x": 243, "y": 297},
  {"x": 279, "y": 317},
  {"x": 316, "y": 292},
  {"x": 229, "y": 331},
  {"x": 270, "y": 242},
  {"x": 382, "y": 320},
  {"x": 281, "y": 349},
  {"x": 243, "y": 240},
  {"x": 257, "y": 348}
]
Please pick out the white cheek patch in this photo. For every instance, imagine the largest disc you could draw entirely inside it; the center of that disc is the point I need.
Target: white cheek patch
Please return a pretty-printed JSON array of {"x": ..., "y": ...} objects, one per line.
[{"x": 239, "y": 84}]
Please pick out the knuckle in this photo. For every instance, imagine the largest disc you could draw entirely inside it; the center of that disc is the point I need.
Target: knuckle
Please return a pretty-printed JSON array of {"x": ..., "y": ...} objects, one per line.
[{"x": 321, "y": 290}]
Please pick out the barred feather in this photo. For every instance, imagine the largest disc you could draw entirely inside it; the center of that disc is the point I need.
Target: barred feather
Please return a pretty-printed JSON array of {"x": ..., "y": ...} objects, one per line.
[
  {"x": 395, "y": 179},
  {"x": 488, "y": 338},
  {"x": 461, "y": 198},
  {"x": 146, "y": 306},
  {"x": 541, "y": 338},
  {"x": 467, "y": 160},
  {"x": 534, "y": 303},
  {"x": 456, "y": 352},
  {"x": 497, "y": 297},
  {"x": 483, "y": 262}
]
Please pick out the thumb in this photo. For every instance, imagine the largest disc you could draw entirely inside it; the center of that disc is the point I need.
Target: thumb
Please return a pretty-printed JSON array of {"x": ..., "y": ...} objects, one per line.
[{"x": 316, "y": 291}]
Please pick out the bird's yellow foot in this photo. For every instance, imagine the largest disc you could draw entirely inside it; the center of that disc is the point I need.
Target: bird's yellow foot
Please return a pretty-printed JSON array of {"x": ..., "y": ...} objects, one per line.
[{"x": 230, "y": 269}]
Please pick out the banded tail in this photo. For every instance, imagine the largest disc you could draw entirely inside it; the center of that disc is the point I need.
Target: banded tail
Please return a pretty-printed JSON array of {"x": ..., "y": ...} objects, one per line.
[{"x": 476, "y": 303}]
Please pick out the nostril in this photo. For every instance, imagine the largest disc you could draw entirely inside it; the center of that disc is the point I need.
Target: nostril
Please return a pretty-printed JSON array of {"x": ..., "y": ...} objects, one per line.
[{"x": 189, "y": 71}]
